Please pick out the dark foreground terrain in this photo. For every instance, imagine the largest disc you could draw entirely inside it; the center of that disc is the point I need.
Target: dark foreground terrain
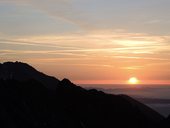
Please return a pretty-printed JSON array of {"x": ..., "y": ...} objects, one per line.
[{"x": 31, "y": 99}]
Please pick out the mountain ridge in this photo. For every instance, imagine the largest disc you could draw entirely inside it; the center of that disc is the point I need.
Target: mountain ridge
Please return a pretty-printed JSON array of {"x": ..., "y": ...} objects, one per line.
[
  {"x": 32, "y": 103},
  {"x": 22, "y": 71}
]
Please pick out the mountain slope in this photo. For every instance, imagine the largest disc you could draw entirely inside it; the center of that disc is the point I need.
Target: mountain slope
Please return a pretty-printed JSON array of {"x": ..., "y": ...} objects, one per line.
[
  {"x": 22, "y": 71},
  {"x": 27, "y": 103}
]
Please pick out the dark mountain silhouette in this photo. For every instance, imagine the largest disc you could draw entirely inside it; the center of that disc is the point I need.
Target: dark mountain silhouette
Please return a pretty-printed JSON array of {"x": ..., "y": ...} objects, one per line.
[
  {"x": 28, "y": 101},
  {"x": 22, "y": 71}
]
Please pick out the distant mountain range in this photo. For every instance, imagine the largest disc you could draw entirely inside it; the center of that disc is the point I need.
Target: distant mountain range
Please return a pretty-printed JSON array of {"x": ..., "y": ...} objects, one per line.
[{"x": 31, "y": 99}]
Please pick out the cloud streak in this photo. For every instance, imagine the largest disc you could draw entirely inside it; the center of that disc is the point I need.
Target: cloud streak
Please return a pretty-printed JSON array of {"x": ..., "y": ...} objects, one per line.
[
  {"x": 59, "y": 9},
  {"x": 110, "y": 35},
  {"x": 105, "y": 14}
]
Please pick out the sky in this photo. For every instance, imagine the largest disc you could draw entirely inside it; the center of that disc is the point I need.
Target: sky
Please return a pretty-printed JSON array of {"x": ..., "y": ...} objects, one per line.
[{"x": 89, "y": 41}]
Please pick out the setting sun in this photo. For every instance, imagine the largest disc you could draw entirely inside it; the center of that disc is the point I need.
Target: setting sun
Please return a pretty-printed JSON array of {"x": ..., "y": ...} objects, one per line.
[{"x": 133, "y": 80}]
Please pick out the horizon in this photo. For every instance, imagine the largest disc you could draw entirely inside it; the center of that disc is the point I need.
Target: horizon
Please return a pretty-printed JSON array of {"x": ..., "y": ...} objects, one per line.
[
  {"x": 101, "y": 82},
  {"x": 90, "y": 42},
  {"x": 155, "y": 96}
]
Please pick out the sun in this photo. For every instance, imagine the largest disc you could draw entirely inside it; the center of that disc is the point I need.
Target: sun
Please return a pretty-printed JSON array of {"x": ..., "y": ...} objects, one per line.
[{"x": 133, "y": 80}]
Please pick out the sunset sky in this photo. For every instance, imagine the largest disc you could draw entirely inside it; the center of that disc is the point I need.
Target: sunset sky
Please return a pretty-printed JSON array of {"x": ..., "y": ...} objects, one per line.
[{"x": 89, "y": 41}]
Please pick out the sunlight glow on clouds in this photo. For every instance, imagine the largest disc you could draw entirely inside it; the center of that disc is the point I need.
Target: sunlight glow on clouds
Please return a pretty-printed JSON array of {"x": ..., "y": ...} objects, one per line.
[{"x": 88, "y": 40}]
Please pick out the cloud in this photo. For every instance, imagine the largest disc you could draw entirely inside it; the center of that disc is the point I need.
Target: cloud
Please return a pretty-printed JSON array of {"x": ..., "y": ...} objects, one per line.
[
  {"x": 107, "y": 37},
  {"x": 107, "y": 42},
  {"x": 92, "y": 15},
  {"x": 102, "y": 50},
  {"x": 154, "y": 22},
  {"x": 30, "y": 43},
  {"x": 133, "y": 67},
  {"x": 59, "y": 9}
]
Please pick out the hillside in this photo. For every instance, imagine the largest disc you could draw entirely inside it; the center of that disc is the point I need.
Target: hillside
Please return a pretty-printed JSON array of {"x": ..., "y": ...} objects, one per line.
[{"x": 31, "y": 99}]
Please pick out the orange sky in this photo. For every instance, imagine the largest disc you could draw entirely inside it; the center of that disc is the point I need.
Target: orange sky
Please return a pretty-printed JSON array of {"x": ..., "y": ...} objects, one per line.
[{"x": 91, "y": 41}]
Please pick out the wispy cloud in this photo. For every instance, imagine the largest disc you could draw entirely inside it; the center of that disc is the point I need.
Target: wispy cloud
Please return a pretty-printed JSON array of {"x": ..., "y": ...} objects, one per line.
[
  {"x": 59, "y": 9},
  {"x": 108, "y": 44},
  {"x": 20, "y": 42},
  {"x": 117, "y": 38},
  {"x": 100, "y": 14},
  {"x": 133, "y": 67}
]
